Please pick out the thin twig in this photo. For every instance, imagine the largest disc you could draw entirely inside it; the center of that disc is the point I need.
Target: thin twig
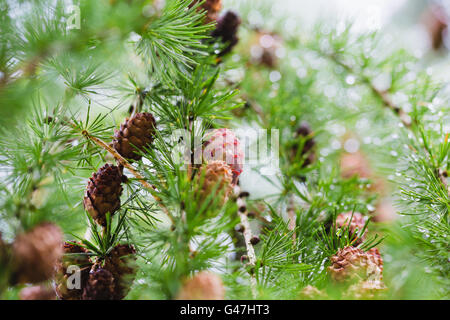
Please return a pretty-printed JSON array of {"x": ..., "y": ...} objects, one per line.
[
  {"x": 242, "y": 213},
  {"x": 291, "y": 215},
  {"x": 383, "y": 96}
]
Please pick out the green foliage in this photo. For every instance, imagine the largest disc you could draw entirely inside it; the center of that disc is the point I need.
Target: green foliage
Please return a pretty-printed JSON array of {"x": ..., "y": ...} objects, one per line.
[{"x": 63, "y": 92}]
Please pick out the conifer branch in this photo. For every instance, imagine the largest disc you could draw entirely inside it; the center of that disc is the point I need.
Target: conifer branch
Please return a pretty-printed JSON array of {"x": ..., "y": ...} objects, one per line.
[
  {"x": 382, "y": 96},
  {"x": 386, "y": 100}
]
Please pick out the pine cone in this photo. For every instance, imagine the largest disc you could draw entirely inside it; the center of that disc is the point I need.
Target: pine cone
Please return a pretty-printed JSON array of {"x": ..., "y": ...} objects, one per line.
[
  {"x": 312, "y": 293},
  {"x": 264, "y": 50},
  {"x": 203, "y": 286},
  {"x": 40, "y": 292},
  {"x": 134, "y": 135},
  {"x": 226, "y": 31},
  {"x": 121, "y": 262},
  {"x": 377, "y": 269},
  {"x": 35, "y": 254},
  {"x": 356, "y": 164},
  {"x": 217, "y": 178},
  {"x": 223, "y": 145},
  {"x": 100, "y": 285},
  {"x": 366, "y": 290},
  {"x": 305, "y": 131},
  {"x": 354, "y": 226},
  {"x": 352, "y": 263},
  {"x": 103, "y": 193},
  {"x": 436, "y": 22},
  {"x": 212, "y": 8},
  {"x": 74, "y": 255}
]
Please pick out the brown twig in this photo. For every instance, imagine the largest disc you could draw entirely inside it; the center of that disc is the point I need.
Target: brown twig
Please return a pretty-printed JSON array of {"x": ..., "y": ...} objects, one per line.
[
  {"x": 247, "y": 232},
  {"x": 383, "y": 96},
  {"x": 291, "y": 215}
]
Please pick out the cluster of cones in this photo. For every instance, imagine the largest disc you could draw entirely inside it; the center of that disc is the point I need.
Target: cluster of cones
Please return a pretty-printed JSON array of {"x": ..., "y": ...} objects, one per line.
[
  {"x": 38, "y": 255},
  {"x": 223, "y": 162},
  {"x": 104, "y": 188},
  {"x": 108, "y": 278}
]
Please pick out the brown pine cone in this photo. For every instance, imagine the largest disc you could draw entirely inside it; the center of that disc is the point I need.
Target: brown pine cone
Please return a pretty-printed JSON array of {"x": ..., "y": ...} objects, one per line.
[
  {"x": 100, "y": 285},
  {"x": 134, "y": 135},
  {"x": 311, "y": 293},
  {"x": 103, "y": 193},
  {"x": 354, "y": 226},
  {"x": 203, "y": 286},
  {"x": 36, "y": 253},
  {"x": 217, "y": 178},
  {"x": 227, "y": 30},
  {"x": 375, "y": 257},
  {"x": 212, "y": 8},
  {"x": 121, "y": 262},
  {"x": 40, "y": 292},
  {"x": 74, "y": 255},
  {"x": 352, "y": 263},
  {"x": 305, "y": 131}
]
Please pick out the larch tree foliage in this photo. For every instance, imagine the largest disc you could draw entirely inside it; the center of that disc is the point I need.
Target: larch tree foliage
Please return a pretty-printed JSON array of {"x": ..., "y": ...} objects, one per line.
[{"x": 125, "y": 156}]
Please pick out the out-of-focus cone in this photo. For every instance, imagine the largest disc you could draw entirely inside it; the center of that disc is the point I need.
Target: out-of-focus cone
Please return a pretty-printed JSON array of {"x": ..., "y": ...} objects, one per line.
[
  {"x": 365, "y": 290},
  {"x": 436, "y": 20},
  {"x": 203, "y": 286},
  {"x": 264, "y": 49},
  {"x": 385, "y": 211},
  {"x": 227, "y": 31},
  {"x": 40, "y": 292},
  {"x": 357, "y": 164},
  {"x": 212, "y": 8},
  {"x": 311, "y": 293},
  {"x": 36, "y": 253}
]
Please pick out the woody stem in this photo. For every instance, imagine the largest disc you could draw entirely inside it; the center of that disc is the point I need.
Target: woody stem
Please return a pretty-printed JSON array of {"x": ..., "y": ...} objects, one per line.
[{"x": 242, "y": 213}]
